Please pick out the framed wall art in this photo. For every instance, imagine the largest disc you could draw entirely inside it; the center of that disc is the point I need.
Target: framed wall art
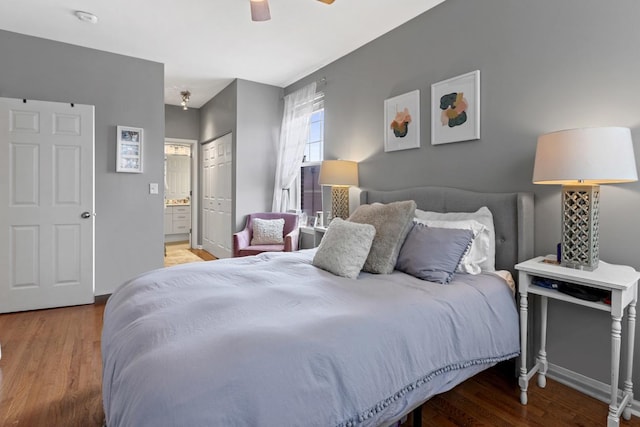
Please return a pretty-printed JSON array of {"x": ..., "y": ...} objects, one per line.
[
  {"x": 455, "y": 109},
  {"x": 402, "y": 122},
  {"x": 129, "y": 149}
]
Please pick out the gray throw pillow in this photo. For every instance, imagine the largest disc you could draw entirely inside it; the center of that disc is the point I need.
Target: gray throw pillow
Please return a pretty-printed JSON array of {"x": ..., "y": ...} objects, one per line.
[
  {"x": 487, "y": 237},
  {"x": 392, "y": 222},
  {"x": 344, "y": 248},
  {"x": 433, "y": 254}
]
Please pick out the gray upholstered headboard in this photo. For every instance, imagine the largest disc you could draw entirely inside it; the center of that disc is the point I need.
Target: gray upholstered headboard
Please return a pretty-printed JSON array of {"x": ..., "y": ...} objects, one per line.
[{"x": 512, "y": 215}]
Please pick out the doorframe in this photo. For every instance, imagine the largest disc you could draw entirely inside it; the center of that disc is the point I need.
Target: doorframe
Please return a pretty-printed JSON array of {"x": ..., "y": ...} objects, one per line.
[{"x": 193, "y": 237}]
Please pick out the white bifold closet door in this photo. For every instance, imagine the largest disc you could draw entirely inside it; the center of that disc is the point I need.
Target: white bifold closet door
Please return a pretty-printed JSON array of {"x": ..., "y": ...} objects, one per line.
[{"x": 217, "y": 201}]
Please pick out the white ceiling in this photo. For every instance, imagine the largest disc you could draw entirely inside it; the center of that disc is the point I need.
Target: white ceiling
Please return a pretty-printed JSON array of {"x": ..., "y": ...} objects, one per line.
[{"x": 205, "y": 44}]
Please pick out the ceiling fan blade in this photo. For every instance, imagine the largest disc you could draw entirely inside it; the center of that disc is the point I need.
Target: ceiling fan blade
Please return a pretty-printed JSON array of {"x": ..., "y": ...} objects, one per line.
[
  {"x": 327, "y": 1},
  {"x": 260, "y": 10}
]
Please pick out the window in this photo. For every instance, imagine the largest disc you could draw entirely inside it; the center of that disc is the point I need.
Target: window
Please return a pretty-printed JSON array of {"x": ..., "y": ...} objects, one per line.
[
  {"x": 310, "y": 191},
  {"x": 314, "y": 148}
]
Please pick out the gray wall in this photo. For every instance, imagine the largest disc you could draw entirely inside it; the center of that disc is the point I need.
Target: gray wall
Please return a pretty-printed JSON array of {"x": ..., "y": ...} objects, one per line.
[
  {"x": 545, "y": 65},
  {"x": 181, "y": 124},
  {"x": 219, "y": 115},
  {"x": 125, "y": 91},
  {"x": 258, "y": 130}
]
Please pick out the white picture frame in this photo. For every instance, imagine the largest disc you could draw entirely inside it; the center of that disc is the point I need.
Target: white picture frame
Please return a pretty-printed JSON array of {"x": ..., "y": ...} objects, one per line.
[
  {"x": 461, "y": 93},
  {"x": 402, "y": 122},
  {"x": 129, "y": 149}
]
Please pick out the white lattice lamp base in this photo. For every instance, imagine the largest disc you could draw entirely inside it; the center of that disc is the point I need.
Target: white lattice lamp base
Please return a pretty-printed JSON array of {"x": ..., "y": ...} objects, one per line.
[
  {"x": 339, "y": 202},
  {"x": 580, "y": 226}
]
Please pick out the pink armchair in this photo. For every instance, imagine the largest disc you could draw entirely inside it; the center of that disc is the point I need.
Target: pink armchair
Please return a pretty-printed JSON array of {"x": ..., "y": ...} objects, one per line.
[{"x": 242, "y": 239}]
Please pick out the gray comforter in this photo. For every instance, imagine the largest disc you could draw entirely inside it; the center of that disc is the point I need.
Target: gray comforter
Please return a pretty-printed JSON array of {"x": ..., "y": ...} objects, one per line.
[{"x": 273, "y": 341}]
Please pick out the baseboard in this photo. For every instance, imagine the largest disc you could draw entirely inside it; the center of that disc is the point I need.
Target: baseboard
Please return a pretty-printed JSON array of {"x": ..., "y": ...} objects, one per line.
[
  {"x": 589, "y": 386},
  {"x": 172, "y": 238},
  {"x": 101, "y": 299}
]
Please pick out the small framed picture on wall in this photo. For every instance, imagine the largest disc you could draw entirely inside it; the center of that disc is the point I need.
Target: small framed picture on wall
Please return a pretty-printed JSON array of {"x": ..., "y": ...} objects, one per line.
[
  {"x": 455, "y": 109},
  {"x": 402, "y": 122},
  {"x": 129, "y": 149}
]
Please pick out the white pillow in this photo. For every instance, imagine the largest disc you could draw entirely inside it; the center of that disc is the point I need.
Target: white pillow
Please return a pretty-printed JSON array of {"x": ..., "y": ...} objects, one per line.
[
  {"x": 267, "y": 231},
  {"x": 483, "y": 216},
  {"x": 344, "y": 248},
  {"x": 476, "y": 255}
]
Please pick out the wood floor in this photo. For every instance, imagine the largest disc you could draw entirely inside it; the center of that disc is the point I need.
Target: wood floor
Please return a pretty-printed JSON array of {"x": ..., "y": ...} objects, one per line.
[
  {"x": 50, "y": 375},
  {"x": 203, "y": 254},
  {"x": 50, "y": 371},
  {"x": 179, "y": 253}
]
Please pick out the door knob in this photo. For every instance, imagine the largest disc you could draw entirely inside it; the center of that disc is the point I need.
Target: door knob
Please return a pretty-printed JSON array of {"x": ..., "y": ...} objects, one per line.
[{"x": 85, "y": 215}]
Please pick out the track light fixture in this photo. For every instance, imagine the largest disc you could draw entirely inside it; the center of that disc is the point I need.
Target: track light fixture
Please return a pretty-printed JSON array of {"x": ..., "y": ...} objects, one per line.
[{"x": 185, "y": 98}]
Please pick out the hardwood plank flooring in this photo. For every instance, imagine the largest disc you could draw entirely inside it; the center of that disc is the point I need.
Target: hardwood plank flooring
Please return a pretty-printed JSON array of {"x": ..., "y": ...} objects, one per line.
[
  {"x": 50, "y": 375},
  {"x": 180, "y": 253},
  {"x": 203, "y": 254},
  {"x": 50, "y": 371}
]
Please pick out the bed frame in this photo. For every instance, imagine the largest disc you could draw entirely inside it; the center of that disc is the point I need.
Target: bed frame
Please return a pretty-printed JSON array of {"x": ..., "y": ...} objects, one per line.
[{"x": 513, "y": 219}]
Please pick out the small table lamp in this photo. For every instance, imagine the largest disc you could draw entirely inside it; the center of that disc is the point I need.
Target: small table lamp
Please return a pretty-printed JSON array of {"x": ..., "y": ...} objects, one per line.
[
  {"x": 340, "y": 175},
  {"x": 580, "y": 160}
]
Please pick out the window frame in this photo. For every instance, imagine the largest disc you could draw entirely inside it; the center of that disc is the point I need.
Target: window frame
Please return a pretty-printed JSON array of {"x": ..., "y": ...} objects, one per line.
[{"x": 318, "y": 104}]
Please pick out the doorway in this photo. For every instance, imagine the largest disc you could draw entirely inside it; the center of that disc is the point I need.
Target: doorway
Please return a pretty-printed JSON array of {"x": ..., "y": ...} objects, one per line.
[{"x": 181, "y": 191}]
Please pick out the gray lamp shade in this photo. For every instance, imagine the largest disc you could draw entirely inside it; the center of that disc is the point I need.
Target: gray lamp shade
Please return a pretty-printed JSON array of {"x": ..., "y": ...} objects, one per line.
[{"x": 588, "y": 156}]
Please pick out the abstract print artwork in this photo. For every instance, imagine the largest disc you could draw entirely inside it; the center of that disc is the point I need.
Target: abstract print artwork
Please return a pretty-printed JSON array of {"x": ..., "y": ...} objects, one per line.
[
  {"x": 455, "y": 109},
  {"x": 402, "y": 122}
]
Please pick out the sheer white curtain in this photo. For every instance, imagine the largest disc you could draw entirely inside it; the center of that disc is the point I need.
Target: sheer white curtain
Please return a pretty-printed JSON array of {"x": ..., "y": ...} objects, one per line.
[{"x": 298, "y": 107}]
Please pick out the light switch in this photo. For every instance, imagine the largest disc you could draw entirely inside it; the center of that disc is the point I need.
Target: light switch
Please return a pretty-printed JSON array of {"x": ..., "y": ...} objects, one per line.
[{"x": 153, "y": 188}]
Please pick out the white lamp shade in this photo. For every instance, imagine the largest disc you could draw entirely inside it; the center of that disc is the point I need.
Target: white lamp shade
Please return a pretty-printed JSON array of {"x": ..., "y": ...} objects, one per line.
[
  {"x": 585, "y": 156},
  {"x": 338, "y": 173},
  {"x": 260, "y": 10}
]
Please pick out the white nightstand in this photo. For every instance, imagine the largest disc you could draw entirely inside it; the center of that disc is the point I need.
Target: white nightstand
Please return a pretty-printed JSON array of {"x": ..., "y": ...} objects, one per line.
[
  {"x": 621, "y": 281},
  {"x": 315, "y": 236},
  {"x": 318, "y": 235}
]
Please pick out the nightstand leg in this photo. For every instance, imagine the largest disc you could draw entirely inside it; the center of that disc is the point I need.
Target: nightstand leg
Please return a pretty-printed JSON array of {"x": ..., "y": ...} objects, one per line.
[
  {"x": 631, "y": 333},
  {"x": 616, "y": 328},
  {"x": 542, "y": 354},
  {"x": 523, "y": 381}
]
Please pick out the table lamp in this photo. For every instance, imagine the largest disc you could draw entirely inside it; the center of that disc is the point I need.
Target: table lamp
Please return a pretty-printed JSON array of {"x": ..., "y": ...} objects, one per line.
[
  {"x": 340, "y": 175},
  {"x": 580, "y": 160}
]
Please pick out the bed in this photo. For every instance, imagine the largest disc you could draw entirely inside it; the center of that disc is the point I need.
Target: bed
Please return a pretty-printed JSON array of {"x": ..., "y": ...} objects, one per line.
[{"x": 272, "y": 340}]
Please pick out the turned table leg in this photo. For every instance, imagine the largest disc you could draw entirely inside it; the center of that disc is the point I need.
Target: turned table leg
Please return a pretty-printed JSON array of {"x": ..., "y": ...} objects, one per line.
[
  {"x": 631, "y": 333},
  {"x": 616, "y": 329},
  {"x": 522, "y": 381}
]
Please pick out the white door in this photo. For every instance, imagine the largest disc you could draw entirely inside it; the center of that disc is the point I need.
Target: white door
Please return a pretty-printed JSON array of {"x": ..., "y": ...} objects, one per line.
[
  {"x": 46, "y": 204},
  {"x": 178, "y": 177},
  {"x": 208, "y": 171},
  {"x": 217, "y": 196}
]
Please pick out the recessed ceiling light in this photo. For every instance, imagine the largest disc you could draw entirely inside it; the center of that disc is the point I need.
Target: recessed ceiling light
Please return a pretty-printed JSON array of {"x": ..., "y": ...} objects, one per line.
[{"x": 86, "y": 17}]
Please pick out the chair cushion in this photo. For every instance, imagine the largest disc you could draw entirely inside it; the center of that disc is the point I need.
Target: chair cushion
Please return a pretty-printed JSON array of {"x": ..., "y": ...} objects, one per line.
[
  {"x": 267, "y": 231},
  {"x": 258, "y": 249}
]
